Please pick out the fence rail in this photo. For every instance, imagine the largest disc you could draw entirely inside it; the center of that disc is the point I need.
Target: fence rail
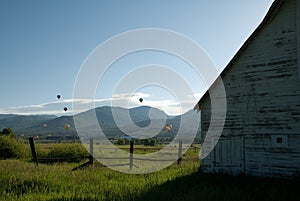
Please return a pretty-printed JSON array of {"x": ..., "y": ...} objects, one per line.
[
  {"x": 62, "y": 158},
  {"x": 90, "y": 162}
]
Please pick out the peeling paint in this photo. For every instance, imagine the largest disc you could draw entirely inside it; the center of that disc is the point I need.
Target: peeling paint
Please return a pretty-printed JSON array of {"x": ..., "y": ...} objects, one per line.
[{"x": 261, "y": 135}]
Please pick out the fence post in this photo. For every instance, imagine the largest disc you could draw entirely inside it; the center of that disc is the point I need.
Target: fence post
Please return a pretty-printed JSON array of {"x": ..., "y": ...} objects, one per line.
[
  {"x": 33, "y": 152},
  {"x": 179, "y": 152},
  {"x": 91, "y": 152},
  {"x": 131, "y": 155}
]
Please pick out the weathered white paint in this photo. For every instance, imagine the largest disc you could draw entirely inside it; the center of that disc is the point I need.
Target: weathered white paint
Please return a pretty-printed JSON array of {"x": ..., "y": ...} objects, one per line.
[
  {"x": 261, "y": 135},
  {"x": 298, "y": 35}
]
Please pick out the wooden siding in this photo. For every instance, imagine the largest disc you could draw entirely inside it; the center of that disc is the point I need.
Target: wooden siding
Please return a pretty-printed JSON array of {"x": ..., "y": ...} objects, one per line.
[
  {"x": 263, "y": 102},
  {"x": 263, "y": 158}
]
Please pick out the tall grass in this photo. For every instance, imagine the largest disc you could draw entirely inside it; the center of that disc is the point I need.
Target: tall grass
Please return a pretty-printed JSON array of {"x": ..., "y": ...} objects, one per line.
[
  {"x": 21, "y": 180},
  {"x": 12, "y": 148},
  {"x": 65, "y": 152},
  {"x": 24, "y": 181}
]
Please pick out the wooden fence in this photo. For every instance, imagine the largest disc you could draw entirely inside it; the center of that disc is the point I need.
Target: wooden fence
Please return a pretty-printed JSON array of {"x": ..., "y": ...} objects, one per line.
[{"x": 90, "y": 157}]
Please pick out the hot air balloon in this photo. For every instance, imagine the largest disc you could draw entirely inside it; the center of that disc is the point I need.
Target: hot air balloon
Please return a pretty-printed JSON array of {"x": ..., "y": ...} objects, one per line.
[
  {"x": 45, "y": 125},
  {"x": 58, "y": 96},
  {"x": 65, "y": 109},
  {"x": 168, "y": 128},
  {"x": 141, "y": 100},
  {"x": 67, "y": 126}
]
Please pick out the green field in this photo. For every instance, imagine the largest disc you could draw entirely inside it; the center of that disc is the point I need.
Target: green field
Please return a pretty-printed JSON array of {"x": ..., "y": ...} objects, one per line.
[{"x": 22, "y": 180}]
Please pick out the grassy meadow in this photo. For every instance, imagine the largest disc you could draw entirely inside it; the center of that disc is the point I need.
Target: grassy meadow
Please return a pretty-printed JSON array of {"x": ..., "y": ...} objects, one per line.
[{"x": 22, "y": 180}]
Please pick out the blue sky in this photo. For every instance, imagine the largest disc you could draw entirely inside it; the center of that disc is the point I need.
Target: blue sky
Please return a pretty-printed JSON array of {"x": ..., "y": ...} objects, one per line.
[{"x": 44, "y": 43}]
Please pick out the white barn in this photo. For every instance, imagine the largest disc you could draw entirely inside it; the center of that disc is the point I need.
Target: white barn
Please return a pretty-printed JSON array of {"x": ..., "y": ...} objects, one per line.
[{"x": 261, "y": 135}]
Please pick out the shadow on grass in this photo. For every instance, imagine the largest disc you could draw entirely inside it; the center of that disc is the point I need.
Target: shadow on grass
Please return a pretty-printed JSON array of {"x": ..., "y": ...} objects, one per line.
[
  {"x": 215, "y": 187},
  {"x": 224, "y": 187}
]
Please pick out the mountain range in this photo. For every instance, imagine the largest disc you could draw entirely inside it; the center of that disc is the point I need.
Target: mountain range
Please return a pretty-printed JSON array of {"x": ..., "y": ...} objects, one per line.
[{"x": 50, "y": 125}]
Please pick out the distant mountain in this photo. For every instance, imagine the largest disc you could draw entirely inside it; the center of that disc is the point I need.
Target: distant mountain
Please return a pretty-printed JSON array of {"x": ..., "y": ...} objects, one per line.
[
  {"x": 53, "y": 127},
  {"x": 146, "y": 113},
  {"x": 113, "y": 120},
  {"x": 48, "y": 125},
  {"x": 188, "y": 120},
  {"x": 46, "y": 116},
  {"x": 20, "y": 122},
  {"x": 5, "y": 116}
]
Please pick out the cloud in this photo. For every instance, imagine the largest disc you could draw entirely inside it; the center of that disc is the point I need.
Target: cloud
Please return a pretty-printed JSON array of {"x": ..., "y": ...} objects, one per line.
[
  {"x": 128, "y": 96},
  {"x": 53, "y": 108},
  {"x": 127, "y": 100}
]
